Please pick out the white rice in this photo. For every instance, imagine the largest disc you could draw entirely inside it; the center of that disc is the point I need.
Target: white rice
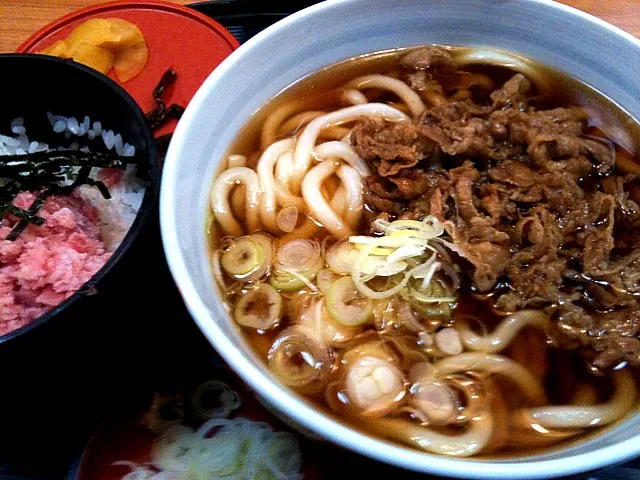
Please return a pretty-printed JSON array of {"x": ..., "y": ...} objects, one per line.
[{"x": 116, "y": 214}]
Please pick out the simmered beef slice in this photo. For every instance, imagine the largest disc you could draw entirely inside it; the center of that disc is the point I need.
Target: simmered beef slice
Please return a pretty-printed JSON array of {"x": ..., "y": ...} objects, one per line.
[
  {"x": 614, "y": 336},
  {"x": 513, "y": 93},
  {"x": 463, "y": 180},
  {"x": 390, "y": 146},
  {"x": 498, "y": 205},
  {"x": 528, "y": 199},
  {"x": 536, "y": 270},
  {"x": 422, "y": 81},
  {"x": 407, "y": 185},
  {"x": 383, "y": 205},
  {"x": 401, "y": 193},
  {"x": 459, "y": 128},
  {"x": 514, "y": 173},
  {"x": 484, "y": 246},
  {"x": 598, "y": 235},
  {"x": 623, "y": 274},
  {"x": 428, "y": 57}
]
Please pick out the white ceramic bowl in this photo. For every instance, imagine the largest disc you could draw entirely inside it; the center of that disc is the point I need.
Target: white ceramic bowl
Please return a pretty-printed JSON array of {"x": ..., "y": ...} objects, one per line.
[{"x": 583, "y": 46}]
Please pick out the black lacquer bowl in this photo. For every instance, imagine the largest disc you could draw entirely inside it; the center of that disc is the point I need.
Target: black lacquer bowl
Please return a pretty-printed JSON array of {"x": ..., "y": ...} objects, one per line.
[{"x": 33, "y": 85}]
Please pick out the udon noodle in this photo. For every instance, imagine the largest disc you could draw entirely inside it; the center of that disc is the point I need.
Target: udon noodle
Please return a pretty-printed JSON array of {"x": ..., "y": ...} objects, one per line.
[{"x": 374, "y": 237}]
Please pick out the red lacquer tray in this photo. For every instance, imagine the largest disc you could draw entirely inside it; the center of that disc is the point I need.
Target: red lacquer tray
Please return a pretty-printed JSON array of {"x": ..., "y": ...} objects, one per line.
[{"x": 177, "y": 37}]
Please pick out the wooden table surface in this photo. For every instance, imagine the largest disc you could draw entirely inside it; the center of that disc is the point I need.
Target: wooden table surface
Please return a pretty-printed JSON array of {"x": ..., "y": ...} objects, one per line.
[{"x": 20, "y": 18}]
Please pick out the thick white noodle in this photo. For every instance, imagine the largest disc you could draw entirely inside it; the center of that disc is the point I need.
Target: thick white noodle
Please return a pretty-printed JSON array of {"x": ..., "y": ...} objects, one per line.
[
  {"x": 494, "y": 364},
  {"x": 219, "y": 199},
  {"x": 318, "y": 205},
  {"x": 583, "y": 416},
  {"x": 268, "y": 184},
  {"x": 352, "y": 182},
  {"x": 236, "y": 161},
  {"x": 353, "y": 97},
  {"x": 284, "y": 169},
  {"x": 474, "y": 439},
  {"x": 504, "y": 334},
  {"x": 488, "y": 56},
  {"x": 298, "y": 121},
  {"x": 339, "y": 201},
  {"x": 341, "y": 150},
  {"x": 401, "y": 89},
  {"x": 275, "y": 119},
  {"x": 304, "y": 151}
]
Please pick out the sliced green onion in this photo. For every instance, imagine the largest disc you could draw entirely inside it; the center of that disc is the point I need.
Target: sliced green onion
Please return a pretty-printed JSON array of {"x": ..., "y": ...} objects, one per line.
[
  {"x": 297, "y": 264},
  {"x": 170, "y": 450},
  {"x": 300, "y": 255},
  {"x": 248, "y": 258},
  {"x": 242, "y": 258},
  {"x": 387, "y": 242},
  {"x": 325, "y": 278},
  {"x": 435, "y": 289},
  {"x": 240, "y": 448},
  {"x": 226, "y": 400},
  {"x": 377, "y": 251},
  {"x": 433, "y": 302},
  {"x": 360, "y": 281},
  {"x": 282, "y": 459},
  {"x": 379, "y": 267},
  {"x": 266, "y": 242},
  {"x": 341, "y": 257},
  {"x": 287, "y": 219},
  {"x": 222, "y": 448},
  {"x": 218, "y": 456},
  {"x": 330, "y": 331},
  {"x": 429, "y": 227},
  {"x": 403, "y": 248},
  {"x": 346, "y": 305},
  {"x": 429, "y": 299},
  {"x": 300, "y": 359},
  {"x": 405, "y": 252},
  {"x": 166, "y": 411},
  {"x": 260, "y": 307},
  {"x": 285, "y": 281},
  {"x": 432, "y": 311}
]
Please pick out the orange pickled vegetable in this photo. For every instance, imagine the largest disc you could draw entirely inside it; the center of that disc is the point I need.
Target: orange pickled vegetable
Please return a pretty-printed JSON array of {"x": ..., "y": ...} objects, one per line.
[
  {"x": 131, "y": 61},
  {"x": 94, "y": 57},
  {"x": 57, "y": 49},
  {"x": 103, "y": 44}
]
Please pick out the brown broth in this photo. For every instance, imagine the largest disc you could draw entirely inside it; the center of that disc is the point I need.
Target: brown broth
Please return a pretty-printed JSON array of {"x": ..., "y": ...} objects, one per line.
[{"x": 604, "y": 116}]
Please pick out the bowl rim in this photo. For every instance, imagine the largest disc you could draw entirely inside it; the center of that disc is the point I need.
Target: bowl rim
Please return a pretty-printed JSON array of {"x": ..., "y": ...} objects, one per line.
[
  {"x": 287, "y": 401},
  {"x": 148, "y": 200}
]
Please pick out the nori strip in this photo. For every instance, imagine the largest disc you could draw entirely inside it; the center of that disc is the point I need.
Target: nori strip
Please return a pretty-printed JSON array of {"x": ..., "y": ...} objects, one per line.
[
  {"x": 82, "y": 178},
  {"x": 39, "y": 169},
  {"x": 8, "y": 208},
  {"x": 44, "y": 171},
  {"x": 11, "y": 165},
  {"x": 33, "y": 209},
  {"x": 102, "y": 188}
]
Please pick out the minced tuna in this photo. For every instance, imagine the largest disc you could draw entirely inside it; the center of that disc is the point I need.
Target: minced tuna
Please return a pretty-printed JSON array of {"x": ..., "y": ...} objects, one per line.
[{"x": 46, "y": 264}]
